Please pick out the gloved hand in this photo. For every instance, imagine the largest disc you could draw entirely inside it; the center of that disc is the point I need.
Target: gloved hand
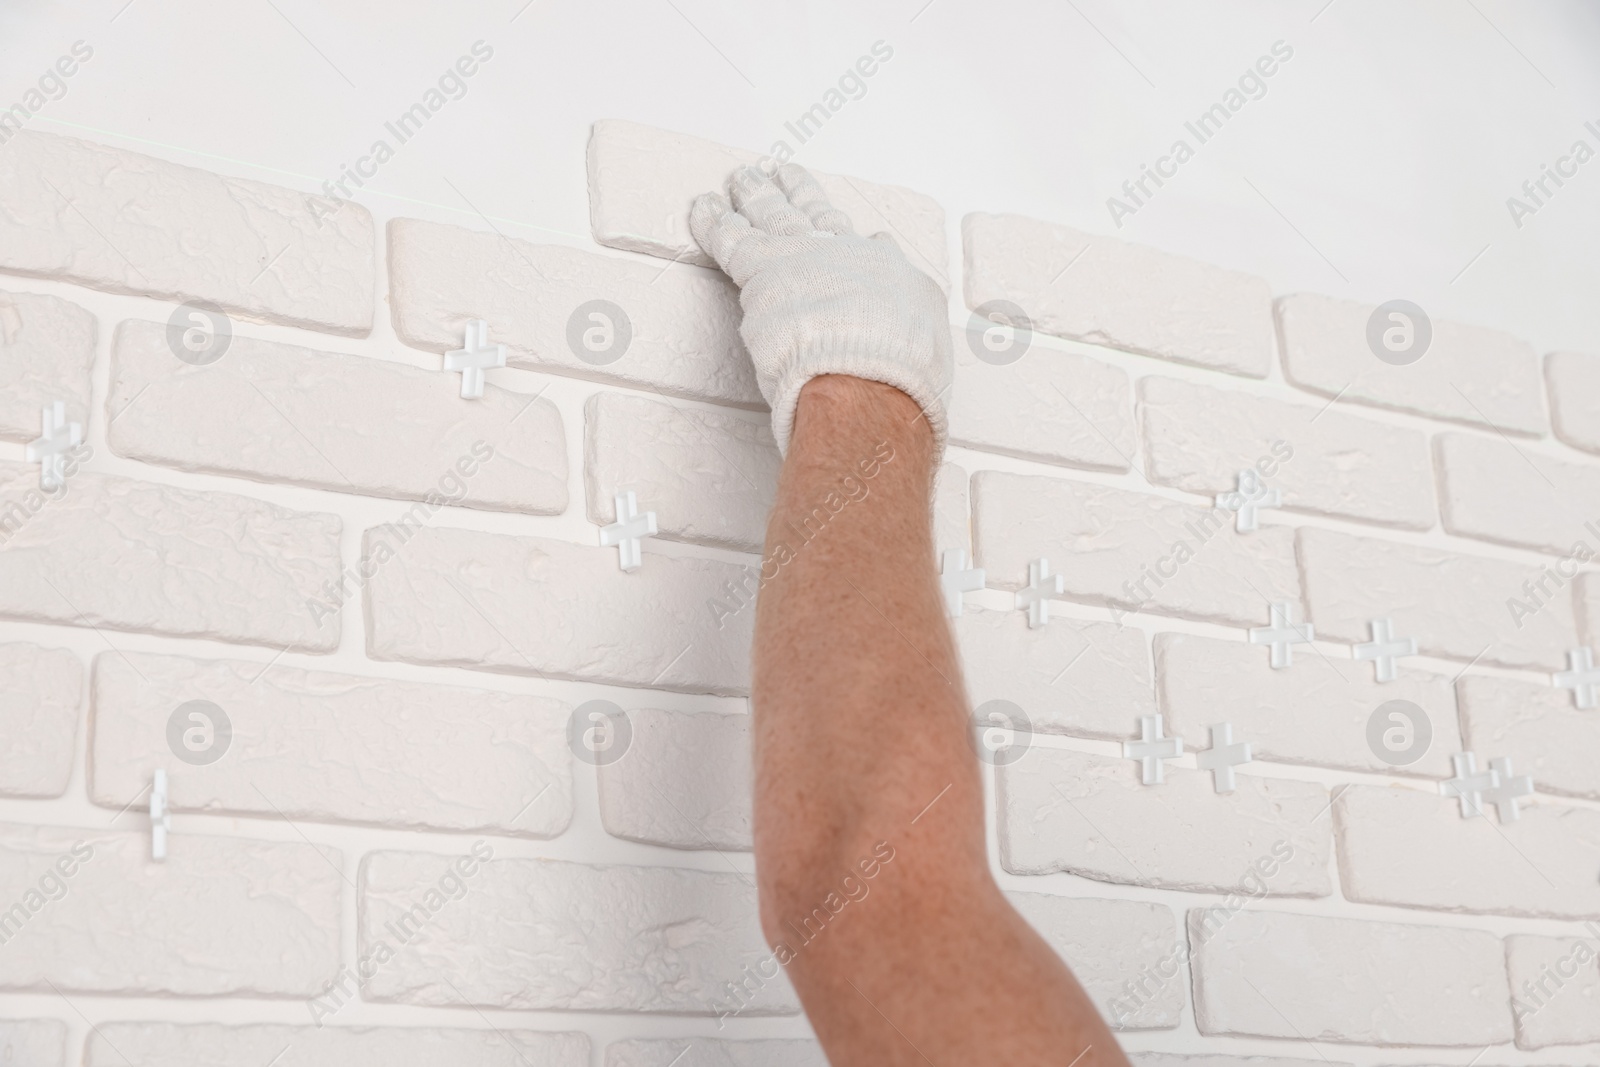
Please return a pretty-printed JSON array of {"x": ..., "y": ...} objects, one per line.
[{"x": 819, "y": 299}]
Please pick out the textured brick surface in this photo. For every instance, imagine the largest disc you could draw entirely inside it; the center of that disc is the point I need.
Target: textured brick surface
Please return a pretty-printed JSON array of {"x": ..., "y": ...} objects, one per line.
[
  {"x": 33, "y": 1043},
  {"x": 1324, "y": 462},
  {"x": 1072, "y": 677},
  {"x": 41, "y": 690},
  {"x": 642, "y": 181},
  {"x": 528, "y": 605},
  {"x": 543, "y": 934},
  {"x": 1538, "y": 726},
  {"x": 316, "y": 745},
  {"x": 685, "y": 320},
  {"x": 1557, "y": 986},
  {"x": 1468, "y": 374},
  {"x": 353, "y": 424},
  {"x": 221, "y": 915},
  {"x": 133, "y": 555},
  {"x": 1173, "y": 1059},
  {"x": 1109, "y": 943},
  {"x": 1089, "y": 815},
  {"x": 709, "y": 477},
  {"x": 706, "y": 1052},
  {"x": 1492, "y": 490},
  {"x": 1059, "y": 407},
  {"x": 195, "y": 1045},
  {"x": 1574, "y": 382},
  {"x": 1401, "y": 846},
  {"x": 46, "y": 353},
  {"x": 129, "y": 223},
  {"x": 684, "y": 781},
  {"x": 1110, "y": 292},
  {"x": 1313, "y": 713},
  {"x": 1279, "y": 974},
  {"x": 1453, "y": 604},
  {"x": 1104, "y": 541}
]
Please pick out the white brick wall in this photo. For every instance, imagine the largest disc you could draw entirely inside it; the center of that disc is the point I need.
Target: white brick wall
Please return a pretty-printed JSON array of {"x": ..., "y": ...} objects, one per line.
[
  {"x": 46, "y": 352},
  {"x": 280, "y": 413},
  {"x": 41, "y": 690},
  {"x": 417, "y": 636}
]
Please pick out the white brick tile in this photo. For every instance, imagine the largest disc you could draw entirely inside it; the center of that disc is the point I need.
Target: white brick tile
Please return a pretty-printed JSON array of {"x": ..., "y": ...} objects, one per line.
[
  {"x": 129, "y": 223},
  {"x": 46, "y": 354},
  {"x": 281, "y": 413},
  {"x": 1538, "y": 726},
  {"x": 1278, "y": 974},
  {"x": 40, "y": 691},
  {"x": 1325, "y": 462},
  {"x": 1089, "y": 815},
  {"x": 1468, "y": 374},
  {"x": 1586, "y": 594},
  {"x": 684, "y": 320},
  {"x": 1557, "y": 988},
  {"x": 1106, "y": 541},
  {"x": 130, "y": 555},
  {"x": 1411, "y": 848},
  {"x": 316, "y": 745},
  {"x": 1454, "y": 605},
  {"x": 708, "y": 1052},
  {"x": 1059, "y": 407},
  {"x": 201, "y": 1044},
  {"x": 1115, "y": 948},
  {"x": 529, "y": 605},
  {"x": 1492, "y": 490},
  {"x": 643, "y": 179},
  {"x": 709, "y": 477},
  {"x": 1087, "y": 679},
  {"x": 685, "y": 781},
  {"x": 33, "y": 1043},
  {"x": 543, "y": 934},
  {"x": 952, "y": 522},
  {"x": 1173, "y": 1059},
  {"x": 1574, "y": 382},
  {"x": 1116, "y": 293},
  {"x": 1313, "y": 713},
  {"x": 220, "y": 915}
]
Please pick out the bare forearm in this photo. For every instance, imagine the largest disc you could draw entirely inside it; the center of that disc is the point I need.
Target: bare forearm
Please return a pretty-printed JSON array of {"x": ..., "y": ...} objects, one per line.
[{"x": 863, "y": 751}]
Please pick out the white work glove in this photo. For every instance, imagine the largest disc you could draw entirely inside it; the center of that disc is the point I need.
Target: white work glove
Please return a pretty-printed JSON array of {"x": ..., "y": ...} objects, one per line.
[{"x": 819, "y": 299}]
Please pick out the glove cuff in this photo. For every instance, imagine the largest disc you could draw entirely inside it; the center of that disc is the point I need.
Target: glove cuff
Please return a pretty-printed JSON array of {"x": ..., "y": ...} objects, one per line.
[{"x": 828, "y": 356}]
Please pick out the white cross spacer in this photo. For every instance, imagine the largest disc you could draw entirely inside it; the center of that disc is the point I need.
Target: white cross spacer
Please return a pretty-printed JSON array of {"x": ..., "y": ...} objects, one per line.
[
  {"x": 1282, "y": 633},
  {"x": 50, "y": 450},
  {"x": 160, "y": 817},
  {"x": 1249, "y": 499},
  {"x": 628, "y": 531},
  {"x": 474, "y": 358},
  {"x": 955, "y": 578},
  {"x": 1223, "y": 756},
  {"x": 1035, "y": 596},
  {"x": 1582, "y": 677},
  {"x": 1384, "y": 649},
  {"x": 1508, "y": 790},
  {"x": 1469, "y": 784},
  {"x": 1151, "y": 749}
]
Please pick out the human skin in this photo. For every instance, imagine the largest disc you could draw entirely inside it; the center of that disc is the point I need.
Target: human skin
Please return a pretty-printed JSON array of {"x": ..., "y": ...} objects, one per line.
[{"x": 863, "y": 744}]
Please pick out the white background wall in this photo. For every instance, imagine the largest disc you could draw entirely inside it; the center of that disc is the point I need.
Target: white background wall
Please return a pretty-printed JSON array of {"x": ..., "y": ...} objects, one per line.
[{"x": 1377, "y": 166}]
